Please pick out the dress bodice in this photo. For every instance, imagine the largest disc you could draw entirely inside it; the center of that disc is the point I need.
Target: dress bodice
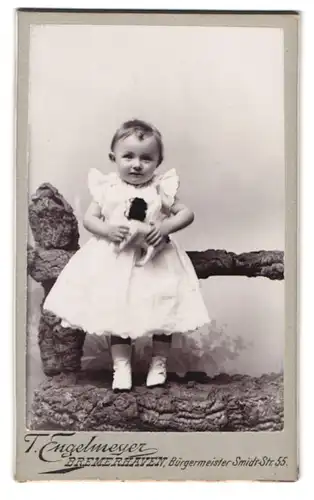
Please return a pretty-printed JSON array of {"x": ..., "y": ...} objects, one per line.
[{"x": 114, "y": 195}]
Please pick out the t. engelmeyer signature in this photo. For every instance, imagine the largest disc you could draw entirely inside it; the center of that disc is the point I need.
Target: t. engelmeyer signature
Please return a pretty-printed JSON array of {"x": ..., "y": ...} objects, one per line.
[{"x": 56, "y": 448}]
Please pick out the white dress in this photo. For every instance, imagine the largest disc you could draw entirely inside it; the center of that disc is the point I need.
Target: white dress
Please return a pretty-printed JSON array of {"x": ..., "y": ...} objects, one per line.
[{"x": 103, "y": 292}]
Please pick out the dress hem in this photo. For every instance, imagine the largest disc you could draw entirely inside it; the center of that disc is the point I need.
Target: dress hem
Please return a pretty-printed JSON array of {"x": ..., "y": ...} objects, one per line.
[{"x": 147, "y": 334}]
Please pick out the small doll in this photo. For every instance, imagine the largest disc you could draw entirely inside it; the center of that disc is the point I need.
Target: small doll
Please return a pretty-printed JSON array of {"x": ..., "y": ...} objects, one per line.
[{"x": 136, "y": 214}]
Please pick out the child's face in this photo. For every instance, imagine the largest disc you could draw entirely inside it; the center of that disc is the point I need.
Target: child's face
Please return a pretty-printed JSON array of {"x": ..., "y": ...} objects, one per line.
[{"x": 136, "y": 159}]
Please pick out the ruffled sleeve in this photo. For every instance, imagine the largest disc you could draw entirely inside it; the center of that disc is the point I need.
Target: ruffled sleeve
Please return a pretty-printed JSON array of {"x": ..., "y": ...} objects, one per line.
[
  {"x": 168, "y": 185},
  {"x": 99, "y": 183}
]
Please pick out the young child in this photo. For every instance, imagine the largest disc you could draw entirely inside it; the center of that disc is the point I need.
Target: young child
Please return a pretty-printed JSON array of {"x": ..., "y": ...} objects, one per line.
[{"x": 102, "y": 290}]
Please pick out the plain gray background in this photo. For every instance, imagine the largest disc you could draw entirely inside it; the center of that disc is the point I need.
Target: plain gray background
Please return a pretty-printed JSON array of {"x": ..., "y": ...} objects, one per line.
[{"x": 216, "y": 94}]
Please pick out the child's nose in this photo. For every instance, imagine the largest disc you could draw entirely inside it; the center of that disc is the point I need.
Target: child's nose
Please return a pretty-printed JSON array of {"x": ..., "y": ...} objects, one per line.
[{"x": 137, "y": 164}]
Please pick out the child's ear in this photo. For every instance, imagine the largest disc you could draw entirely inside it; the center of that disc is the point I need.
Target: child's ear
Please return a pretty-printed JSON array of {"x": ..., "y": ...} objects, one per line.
[
  {"x": 112, "y": 156},
  {"x": 161, "y": 159}
]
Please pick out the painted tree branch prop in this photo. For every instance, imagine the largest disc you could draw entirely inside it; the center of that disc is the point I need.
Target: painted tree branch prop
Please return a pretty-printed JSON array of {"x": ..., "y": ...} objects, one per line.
[
  {"x": 71, "y": 399},
  {"x": 55, "y": 231},
  {"x": 225, "y": 403},
  {"x": 267, "y": 264}
]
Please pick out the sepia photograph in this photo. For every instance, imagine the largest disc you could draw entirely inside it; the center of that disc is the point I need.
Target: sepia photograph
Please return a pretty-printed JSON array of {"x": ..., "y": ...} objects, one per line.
[
  {"x": 156, "y": 220},
  {"x": 191, "y": 121}
]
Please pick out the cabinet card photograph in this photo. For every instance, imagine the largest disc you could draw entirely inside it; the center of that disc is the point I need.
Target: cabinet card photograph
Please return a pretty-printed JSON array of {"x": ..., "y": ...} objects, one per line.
[{"x": 156, "y": 198}]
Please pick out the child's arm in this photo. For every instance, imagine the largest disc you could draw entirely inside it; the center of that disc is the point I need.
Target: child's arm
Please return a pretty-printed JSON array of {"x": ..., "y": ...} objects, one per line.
[
  {"x": 181, "y": 217},
  {"x": 93, "y": 223}
]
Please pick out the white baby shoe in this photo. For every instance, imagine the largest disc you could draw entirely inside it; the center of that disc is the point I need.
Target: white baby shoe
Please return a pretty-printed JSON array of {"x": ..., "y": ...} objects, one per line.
[
  {"x": 157, "y": 373},
  {"x": 122, "y": 370}
]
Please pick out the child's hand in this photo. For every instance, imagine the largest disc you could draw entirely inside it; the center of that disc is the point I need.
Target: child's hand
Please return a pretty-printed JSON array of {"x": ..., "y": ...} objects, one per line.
[
  {"x": 154, "y": 237},
  {"x": 117, "y": 233}
]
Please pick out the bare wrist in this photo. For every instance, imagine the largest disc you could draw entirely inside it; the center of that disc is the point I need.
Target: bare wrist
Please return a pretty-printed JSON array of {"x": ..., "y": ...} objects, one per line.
[
  {"x": 164, "y": 230},
  {"x": 105, "y": 229}
]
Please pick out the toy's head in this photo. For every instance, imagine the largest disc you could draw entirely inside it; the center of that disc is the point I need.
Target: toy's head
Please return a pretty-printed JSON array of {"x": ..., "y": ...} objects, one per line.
[{"x": 137, "y": 210}]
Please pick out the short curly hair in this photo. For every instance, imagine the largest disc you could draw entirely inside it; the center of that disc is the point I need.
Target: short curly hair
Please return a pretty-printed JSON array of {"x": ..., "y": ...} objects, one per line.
[{"x": 142, "y": 130}]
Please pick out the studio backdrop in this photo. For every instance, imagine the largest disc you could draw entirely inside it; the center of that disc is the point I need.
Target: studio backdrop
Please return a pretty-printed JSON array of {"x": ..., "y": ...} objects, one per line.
[{"x": 216, "y": 95}]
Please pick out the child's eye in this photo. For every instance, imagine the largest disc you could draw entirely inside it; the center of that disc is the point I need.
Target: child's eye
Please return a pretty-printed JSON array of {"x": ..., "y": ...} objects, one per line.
[
  {"x": 128, "y": 156},
  {"x": 146, "y": 159}
]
